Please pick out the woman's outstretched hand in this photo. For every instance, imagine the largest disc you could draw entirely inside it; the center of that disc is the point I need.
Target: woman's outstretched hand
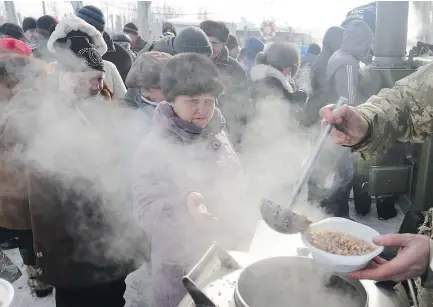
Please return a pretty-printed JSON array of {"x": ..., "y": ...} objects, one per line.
[{"x": 196, "y": 207}]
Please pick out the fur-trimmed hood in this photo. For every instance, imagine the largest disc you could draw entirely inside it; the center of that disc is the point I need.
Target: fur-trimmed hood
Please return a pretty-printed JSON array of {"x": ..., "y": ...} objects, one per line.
[
  {"x": 263, "y": 71},
  {"x": 74, "y": 23}
]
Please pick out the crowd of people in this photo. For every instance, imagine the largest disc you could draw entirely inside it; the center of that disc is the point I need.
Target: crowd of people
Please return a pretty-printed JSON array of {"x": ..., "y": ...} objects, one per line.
[{"x": 117, "y": 152}]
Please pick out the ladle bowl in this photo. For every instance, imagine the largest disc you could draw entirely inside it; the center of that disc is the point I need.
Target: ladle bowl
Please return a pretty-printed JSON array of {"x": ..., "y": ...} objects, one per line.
[{"x": 282, "y": 219}]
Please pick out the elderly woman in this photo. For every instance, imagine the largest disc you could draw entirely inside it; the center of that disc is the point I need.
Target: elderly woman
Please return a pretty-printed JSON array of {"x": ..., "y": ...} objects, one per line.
[
  {"x": 188, "y": 179},
  {"x": 143, "y": 81}
]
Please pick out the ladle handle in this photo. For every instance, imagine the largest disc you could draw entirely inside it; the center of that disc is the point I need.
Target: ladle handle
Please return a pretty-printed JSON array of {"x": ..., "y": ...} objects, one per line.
[{"x": 313, "y": 158}]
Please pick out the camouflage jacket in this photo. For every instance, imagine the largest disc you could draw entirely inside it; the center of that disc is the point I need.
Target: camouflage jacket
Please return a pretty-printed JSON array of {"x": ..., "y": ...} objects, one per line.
[{"x": 404, "y": 113}]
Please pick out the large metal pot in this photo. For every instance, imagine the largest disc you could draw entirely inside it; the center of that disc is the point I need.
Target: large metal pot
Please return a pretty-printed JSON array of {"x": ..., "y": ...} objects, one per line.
[{"x": 234, "y": 279}]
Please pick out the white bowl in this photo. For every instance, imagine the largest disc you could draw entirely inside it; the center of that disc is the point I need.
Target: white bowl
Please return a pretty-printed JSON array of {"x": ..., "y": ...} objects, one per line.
[
  {"x": 7, "y": 293},
  {"x": 343, "y": 264}
]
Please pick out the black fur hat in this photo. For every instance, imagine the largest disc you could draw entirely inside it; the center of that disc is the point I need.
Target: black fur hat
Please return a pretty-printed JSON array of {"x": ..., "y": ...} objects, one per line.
[{"x": 215, "y": 29}]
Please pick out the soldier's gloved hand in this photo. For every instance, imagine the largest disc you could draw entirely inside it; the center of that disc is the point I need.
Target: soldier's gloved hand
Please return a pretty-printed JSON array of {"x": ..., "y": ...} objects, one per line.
[
  {"x": 354, "y": 127},
  {"x": 411, "y": 261}
]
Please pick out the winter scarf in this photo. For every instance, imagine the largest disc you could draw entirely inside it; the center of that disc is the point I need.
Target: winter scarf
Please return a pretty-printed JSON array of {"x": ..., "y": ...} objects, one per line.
[{"x": 186, "y": 132}]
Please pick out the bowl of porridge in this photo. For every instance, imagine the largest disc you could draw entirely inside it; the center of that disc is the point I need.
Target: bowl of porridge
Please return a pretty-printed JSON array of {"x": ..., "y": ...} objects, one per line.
[{"x": 341, "y": 245}]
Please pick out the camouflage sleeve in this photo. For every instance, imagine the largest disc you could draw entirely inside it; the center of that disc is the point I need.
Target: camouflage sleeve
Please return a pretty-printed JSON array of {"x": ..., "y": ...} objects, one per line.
[{"x": 403, "y": 113}]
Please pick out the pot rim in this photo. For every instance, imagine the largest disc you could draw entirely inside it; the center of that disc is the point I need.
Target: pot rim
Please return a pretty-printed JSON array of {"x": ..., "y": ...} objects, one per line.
[{"x": 357, "y": 284}]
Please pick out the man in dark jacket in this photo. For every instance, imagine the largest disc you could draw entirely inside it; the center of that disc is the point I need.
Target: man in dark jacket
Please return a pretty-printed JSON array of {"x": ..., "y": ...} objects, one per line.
[
  {"x": 116, "y": 54},
  {"x": 138, "y": 42},
  {"x": 235, "y": 103},
  {"x": 343, "y": 75}
]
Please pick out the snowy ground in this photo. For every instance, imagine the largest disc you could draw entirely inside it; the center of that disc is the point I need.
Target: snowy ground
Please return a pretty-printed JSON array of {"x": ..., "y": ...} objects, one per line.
[{"x": 138, "y": 291}]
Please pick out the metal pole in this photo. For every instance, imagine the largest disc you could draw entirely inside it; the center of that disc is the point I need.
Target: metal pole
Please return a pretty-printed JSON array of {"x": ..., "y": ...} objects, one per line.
[
  {"x": 11, "y": 15},
  {"x": 143, "y": 8},
  {"x": 44, "y": 8},
  {"x": 76, "y": 5}
]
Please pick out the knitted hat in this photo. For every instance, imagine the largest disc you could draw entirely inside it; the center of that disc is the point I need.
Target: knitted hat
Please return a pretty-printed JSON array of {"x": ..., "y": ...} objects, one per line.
[
  {"x": 146, "y": 70},
  {"x": 131, "y": 28},
  {"x": 192, "y": 39},
  {"x": 12, "y": 30},
  {"x": 29, "y": 23},
  {"x": 14, "y": 46},
  {"x": 45, "y": 25},
  {"x": 215, "y": 29},
  {"x": 93, "y": 16},
  {"x": 81, "y": 38}
]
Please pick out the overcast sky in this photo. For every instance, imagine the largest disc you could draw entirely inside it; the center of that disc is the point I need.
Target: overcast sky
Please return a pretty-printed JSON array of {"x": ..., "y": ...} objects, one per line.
[
  {"x": 310, "y": 15},
  {"x": 305, "y": 13}
]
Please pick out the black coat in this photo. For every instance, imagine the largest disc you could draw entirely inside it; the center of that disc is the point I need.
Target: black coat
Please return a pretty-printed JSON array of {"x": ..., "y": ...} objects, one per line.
[
  {"x": 139, "y": 45},
  {"x": 119, "y": 56},
  {"x": 235, "y": 103}
]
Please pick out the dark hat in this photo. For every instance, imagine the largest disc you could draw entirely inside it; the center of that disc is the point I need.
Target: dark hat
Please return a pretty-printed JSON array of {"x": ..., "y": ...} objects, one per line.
[
  {"x": 29, "y": 23},
  {"x": 121, "y": 38},
  {"x": 192, "y": 39},
  {"x": 92, "y": 15},
  {"x": 45, "y": 25},
  {"x": 215, "y": 29},
  {"x": 12, "y": 30},
  {"x": 232, "y": 42},
  {"x": 130, "y": 28}
]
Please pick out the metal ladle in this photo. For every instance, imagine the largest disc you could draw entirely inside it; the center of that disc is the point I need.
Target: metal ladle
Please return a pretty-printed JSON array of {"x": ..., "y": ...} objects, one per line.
[{"x": 281, "y": 218}]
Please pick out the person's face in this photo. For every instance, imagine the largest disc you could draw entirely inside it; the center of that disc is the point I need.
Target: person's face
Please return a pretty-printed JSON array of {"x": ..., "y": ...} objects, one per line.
[
  {"x": 154, "y": 94},
  {"x": 197, "y": 110},
  {"x": 217, "y": 46},
  {"x": 234, "y": 53},
  {"x": 90, "y": 83}
]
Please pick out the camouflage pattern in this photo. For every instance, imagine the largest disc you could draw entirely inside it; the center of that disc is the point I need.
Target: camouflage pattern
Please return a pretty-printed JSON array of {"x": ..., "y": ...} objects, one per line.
[
  {"x": 425, "y": 285},
  {"x": 403, "y": 113}
]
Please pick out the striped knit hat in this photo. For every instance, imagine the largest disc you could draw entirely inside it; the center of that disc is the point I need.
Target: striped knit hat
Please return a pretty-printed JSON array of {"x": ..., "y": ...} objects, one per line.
[
  {"x": 130, "y": 28},
  {"x": 92, "y": 15}
]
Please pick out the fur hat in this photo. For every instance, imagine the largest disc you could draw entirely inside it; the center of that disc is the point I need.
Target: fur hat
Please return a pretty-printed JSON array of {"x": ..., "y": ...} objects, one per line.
[
  {"x": 146, "y": 70},
  {"x": 190, "y": 74},
  {"x": 215, "y": 29},
  {"x": 83, "y": 39}
]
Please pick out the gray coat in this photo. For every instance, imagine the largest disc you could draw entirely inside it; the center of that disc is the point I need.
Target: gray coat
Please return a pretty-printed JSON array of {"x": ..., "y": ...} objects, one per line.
[
  {"x": 174, "y": 159},
  {"x": 343, "y": 66}
]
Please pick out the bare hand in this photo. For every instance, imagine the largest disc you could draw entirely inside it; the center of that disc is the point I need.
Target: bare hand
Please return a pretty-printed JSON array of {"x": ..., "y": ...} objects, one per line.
[
  {"x": 355, "y": 126},
  {"x": 411, "y": 261},
  {"x": 195, "y": 204}
]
